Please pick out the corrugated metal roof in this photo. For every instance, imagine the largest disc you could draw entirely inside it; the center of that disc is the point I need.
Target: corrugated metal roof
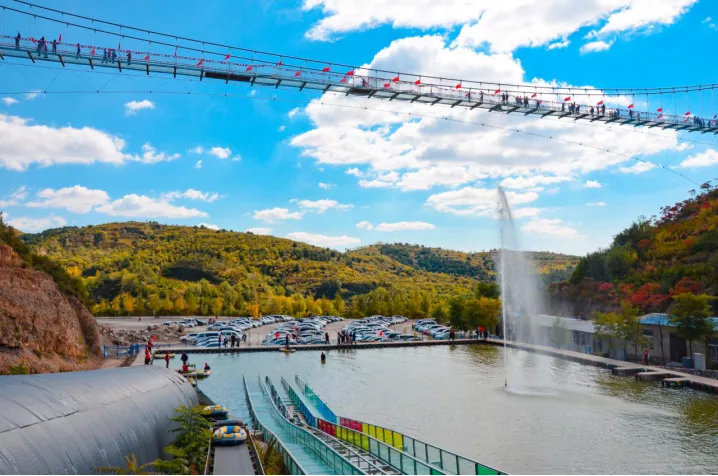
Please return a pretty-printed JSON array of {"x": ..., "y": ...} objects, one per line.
[
  {"x": 75, "y": 422},
  {"x": 662, "y": 319}
]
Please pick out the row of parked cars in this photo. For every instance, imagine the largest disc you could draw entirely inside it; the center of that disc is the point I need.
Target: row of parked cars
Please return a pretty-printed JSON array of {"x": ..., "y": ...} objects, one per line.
[
  {"x": 376, "y": 329},
  {"x": 437, "y": 331},
  {"x": 300, "y": 331},
  {"x": 235, "y": 327}
]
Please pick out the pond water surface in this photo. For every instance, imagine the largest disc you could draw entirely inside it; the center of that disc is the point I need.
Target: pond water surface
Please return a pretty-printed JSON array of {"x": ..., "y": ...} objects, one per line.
[{"x": 587, "y": 421}]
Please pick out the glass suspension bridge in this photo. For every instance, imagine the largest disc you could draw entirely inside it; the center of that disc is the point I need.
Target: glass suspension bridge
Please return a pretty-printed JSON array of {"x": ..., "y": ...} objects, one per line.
[{"x": 25, "y": 35}]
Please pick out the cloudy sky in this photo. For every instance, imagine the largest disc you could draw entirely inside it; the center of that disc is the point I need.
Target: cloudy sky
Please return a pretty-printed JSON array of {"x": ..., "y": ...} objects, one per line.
[{"x": 343, "y": 172}]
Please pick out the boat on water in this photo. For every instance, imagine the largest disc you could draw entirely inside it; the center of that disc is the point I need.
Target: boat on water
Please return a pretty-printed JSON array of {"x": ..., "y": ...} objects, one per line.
[
  {"x": 287, "y": 351},
  {"x": 229, "y": 436}
]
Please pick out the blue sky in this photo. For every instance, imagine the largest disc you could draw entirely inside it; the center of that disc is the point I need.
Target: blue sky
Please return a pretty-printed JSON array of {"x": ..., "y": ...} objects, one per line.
[{"x": 276, "y": 161}]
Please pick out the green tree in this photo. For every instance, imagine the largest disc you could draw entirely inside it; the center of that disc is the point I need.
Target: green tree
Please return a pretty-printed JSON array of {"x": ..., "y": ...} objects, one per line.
[
  {"x": 189, "y": 450},
  {"x": 690, "y": 315},
  {"x": 339, "y": 305},
  {"x": 131, "y": 467}
]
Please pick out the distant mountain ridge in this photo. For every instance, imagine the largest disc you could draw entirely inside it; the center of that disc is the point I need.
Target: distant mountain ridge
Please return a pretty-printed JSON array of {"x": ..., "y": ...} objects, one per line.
[{"x": 135, "y": 267}]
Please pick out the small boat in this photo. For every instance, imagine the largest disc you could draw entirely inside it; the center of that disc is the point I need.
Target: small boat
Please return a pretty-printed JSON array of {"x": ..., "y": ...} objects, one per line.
[
  {"x": 288, "y": 351},
  {"x": 215, "y": 411},
  {"x": 229, "y": 435},
  {"x": 204, "y": 373},
  {"x": 161, "y": 355}
]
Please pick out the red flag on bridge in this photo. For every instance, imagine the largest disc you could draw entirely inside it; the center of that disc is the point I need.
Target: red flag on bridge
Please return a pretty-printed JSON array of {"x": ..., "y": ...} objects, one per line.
[
  {"x": 92, "y": 52},
  {"x": 599, "y": 102},
  {"x": 497, "y": 91},
  {"x": 227, "y": 56},
  {"x": 325, "y": 69},
  {"x": 566, "y": 99},
  {"x": 199, "y": 63},
  {"x": 458, "y": 86},
  {"x": 147, "y": 57},
  {"x": 630, "y": 106},
  {"x": 417, "y": 82},
  {"x": 343, "y": 80},
  {"x": 350, "y": 73},
  {"x": 59, "y": 40},
  {"x": 280, "y": 63},
  {"x": 688, "y": 113},
  {"x": 249, "y": 68},
  {"x": 396, "y": 79},
  {"x": 660, "y": 109},
  {"x": 387, "y": 85},
  {"x": 33, "y": 39},
  {"x": 533, "y": 95},
  {"x": 298, "y": 73}
]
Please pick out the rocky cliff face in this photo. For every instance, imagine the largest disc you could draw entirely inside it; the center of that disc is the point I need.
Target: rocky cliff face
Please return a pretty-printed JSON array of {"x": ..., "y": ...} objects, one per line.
[{"x": 41, "y": 329}]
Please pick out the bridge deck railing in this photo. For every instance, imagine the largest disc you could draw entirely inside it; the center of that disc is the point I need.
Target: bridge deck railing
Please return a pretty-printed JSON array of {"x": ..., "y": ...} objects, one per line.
[{"x": 358, "y": 82}]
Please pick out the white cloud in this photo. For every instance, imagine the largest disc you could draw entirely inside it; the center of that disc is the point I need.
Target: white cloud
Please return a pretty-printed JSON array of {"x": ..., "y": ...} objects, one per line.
[
  {"x": 324, "y": 241},
  {"x": 504, "y": 26},
  {"x": 209, "y": 226},
  {"x": 532, "y": 181},
  {"x": 197, "y": 149},
  {"x": 326, "y": 186},
  {"x": 8, "y": 101},
  {"x": 151, "y": 156},
  {"x": 293, "y": 112},
  {"x": 274, "y": 215},
  {"x": 191, "y": 194},
  {"x": 77, "y": 199},
  {"x": 236, "y": 158},
  {"x": 260, "y": 230},
  {"x": 558, "y": 44},
  {"x": 35, "y": 225},
  {"x": 23, "y": 143},
  {"x": 523, "y": 212},
  {"x": 133, "y": 107},
  {"x": 474, "y": 201},
  {"x": 405, "y": 225},
  {"x": 365, "y": 225},
  {"x": 17, "y": 196},
  {"x": 703, "y": 159},
  {"x": 592, "y": 184},
  {"x": 281, "y": 128},
  {"x": 638, "y": 168},
  {"x": 33, "y": 95},
  {"x": 550, "y": 227},
  {"x": 198, "y": 164},
  {"x": 595, "y": 46},
  {"x": 221, "y": 152},
  {"x": 321, "y": 206},
  {"x": 141, "y": 206},
  {"x": 596, "y": 204},
  {"x": 407, "y": 149}
]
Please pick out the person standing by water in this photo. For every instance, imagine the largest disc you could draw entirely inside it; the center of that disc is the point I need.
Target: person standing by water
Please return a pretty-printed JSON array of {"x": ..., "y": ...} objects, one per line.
[
  {"x": 184, "y": 358},
  {"x": 324, "y": 358},
  {"x": 219, "y": 341},
  {"x": 286, "y": 341},
  {"x": 148, "y": 357},
  {"x": 326, "y": 338},
  {"x": 231, "y": 342},
  {"x": 167, "y": 360}
]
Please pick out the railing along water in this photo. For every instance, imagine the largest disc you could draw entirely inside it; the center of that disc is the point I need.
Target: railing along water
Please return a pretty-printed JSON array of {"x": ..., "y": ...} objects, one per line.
[
  {"x": 386, "y": 443},
  {"x": 268, "y": 435},
  {"x": 299, "y": 435},
  {"x": 324, "y": 410}
]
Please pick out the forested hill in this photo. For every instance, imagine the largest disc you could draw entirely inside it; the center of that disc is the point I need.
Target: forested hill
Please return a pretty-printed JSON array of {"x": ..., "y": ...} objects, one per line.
[
  {"x": 145, "y": 268},
  {"x": 552, "y": 266},
  {"x": 650, "y": 262}
]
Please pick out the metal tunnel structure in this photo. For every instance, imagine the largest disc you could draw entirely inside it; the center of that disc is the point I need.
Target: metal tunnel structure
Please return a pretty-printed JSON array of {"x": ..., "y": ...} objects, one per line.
[{"x": 76, "y": 422}]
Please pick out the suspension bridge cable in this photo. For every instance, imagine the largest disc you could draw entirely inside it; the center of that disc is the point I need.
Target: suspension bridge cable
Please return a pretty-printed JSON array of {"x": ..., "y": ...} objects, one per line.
[
  {"x": 409, "y": 114},
  {"x": 525, "y": 87},
  {"x": 138, "y": 76}
]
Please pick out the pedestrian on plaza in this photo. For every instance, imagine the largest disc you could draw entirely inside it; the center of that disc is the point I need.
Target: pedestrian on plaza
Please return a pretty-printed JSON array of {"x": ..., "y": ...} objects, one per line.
[
  {"x": 167, "y": 360},
  {"x": 326, "y": 338}
]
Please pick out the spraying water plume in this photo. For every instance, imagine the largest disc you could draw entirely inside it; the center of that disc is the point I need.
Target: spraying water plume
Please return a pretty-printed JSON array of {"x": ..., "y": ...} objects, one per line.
[{"x": 519, "y": 297}]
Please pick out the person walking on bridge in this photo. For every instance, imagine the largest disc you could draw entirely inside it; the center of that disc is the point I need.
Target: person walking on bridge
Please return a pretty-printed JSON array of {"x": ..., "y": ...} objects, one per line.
[
  {"x": 54, "y": 46},
  {"x": 17, "y": 41}
]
